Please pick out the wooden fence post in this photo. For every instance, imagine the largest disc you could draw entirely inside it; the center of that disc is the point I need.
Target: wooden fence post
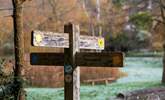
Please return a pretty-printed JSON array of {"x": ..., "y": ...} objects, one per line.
[{"x": 72, "y": 72}]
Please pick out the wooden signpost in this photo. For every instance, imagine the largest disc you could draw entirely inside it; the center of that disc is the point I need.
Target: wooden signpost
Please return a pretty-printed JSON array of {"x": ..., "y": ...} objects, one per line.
[
  {"x": 72, "y": 58},
  {"x": 50, "y": 39}
]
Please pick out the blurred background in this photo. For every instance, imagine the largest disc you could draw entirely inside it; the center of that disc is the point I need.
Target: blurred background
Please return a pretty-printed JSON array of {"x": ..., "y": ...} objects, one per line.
[{"x": 135, "y": 27}]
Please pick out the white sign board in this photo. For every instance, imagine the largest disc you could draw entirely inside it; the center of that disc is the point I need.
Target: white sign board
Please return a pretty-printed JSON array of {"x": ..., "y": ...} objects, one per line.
[{"x": 50, "y": 39}]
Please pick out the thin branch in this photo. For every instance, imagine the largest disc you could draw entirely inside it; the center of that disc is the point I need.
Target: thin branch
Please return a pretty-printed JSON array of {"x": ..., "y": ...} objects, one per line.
[
  {"x": 6, "y": 16},
  {"x": 160, "y": 21},
  {"x": 162, "y": 10},
  {"x": 35, "y": 6},
  {"x": 2, "y": 9}
]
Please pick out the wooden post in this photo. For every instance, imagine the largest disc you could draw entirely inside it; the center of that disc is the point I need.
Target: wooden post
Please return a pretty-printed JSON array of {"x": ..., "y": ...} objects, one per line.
[
  {"x": 72, "y": 57},
  {"x": 19, "y": 45},
  {"x": 71, "y": 71},
  {"x": 163, "y": 77}
]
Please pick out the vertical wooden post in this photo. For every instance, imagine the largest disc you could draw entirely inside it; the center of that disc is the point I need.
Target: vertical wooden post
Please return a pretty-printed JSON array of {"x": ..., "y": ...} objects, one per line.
[
  {"x": 163, "y": 76},
  {"x": 19, "y": 45},
  {"x": 71, "y": 71}
]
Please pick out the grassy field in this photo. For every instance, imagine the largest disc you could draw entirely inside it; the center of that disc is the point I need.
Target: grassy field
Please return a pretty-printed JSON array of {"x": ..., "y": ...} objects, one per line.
[
  {"x": 143, "y": 72},
  {"x": 99, "y": 92}
]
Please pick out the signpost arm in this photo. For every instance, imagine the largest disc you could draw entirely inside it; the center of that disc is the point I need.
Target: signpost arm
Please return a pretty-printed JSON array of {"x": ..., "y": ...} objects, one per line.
[{"x": 71, "y": 71}]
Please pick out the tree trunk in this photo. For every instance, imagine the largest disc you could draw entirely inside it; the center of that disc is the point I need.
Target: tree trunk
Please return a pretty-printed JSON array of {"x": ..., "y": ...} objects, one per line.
[
  {"x": 163, "y": 77},
  {"x": 19, "y": 46},
  {"x": 163, "y": 18}
]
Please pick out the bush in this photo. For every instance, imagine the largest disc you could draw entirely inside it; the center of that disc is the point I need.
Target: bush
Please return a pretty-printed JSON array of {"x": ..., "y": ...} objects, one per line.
[
  {"x": 142, "y": 20},
  {"x": 126, "y": 42},
  {"x": 8, "y": 49}
]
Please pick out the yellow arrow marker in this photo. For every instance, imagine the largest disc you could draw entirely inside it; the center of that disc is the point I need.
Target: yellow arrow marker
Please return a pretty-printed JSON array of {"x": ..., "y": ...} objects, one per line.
[
  {"x": 38, "y": 38},
  {"x": 101, "y": 42}
]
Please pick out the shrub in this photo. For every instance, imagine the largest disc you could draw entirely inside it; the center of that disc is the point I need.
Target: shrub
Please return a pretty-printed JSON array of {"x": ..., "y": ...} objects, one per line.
[{"x": 142, "y": 20}]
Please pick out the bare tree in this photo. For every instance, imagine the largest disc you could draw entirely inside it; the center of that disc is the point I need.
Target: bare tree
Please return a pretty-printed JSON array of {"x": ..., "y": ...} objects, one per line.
[
  {"x": 57, "y": 15},
  {"x": 92, "y": 12}
]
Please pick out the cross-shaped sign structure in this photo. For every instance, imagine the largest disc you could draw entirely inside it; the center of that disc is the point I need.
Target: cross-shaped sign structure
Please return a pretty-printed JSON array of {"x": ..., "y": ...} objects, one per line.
[{"x": 72, "y": 41}]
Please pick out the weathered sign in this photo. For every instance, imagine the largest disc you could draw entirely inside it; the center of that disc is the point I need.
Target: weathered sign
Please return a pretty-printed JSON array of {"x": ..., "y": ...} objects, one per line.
[
  {"x": 104, "y": 59},
  {"x": 47, "y": 59},
  {"x": 72, "y": 58},
  {"x": 114, "y": 59},
  {"x": 50, "y": 39}
]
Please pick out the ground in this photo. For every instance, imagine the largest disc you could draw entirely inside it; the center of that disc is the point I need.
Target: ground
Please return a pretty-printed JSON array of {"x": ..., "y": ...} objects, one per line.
[{"x": 143, "y": 72}]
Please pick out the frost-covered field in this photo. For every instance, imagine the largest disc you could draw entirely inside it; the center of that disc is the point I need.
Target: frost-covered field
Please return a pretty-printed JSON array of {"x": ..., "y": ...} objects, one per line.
[
  {"x": 142, "y": 69},
  {"x": 143, "y": 72}
]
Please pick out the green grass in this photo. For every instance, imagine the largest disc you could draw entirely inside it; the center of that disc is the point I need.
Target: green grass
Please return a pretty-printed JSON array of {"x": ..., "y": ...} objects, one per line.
[
  {"x": 98, "y": 92},
  {"x": 144, "y": 54}
]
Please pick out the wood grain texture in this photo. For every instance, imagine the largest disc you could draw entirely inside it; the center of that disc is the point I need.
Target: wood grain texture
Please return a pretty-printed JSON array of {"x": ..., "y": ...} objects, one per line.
[
  {"x": 72, "y": 78},
  {"x": 114, "y": 59},
  {"x": 47, "y": 59},
  {"x": 61, "y": 40},
  {"x": 143, "y": 94}
]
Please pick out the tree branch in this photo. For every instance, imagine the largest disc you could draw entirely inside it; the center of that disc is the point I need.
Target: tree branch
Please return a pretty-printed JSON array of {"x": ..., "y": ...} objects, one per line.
[{"x": 160, "y": 21}]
